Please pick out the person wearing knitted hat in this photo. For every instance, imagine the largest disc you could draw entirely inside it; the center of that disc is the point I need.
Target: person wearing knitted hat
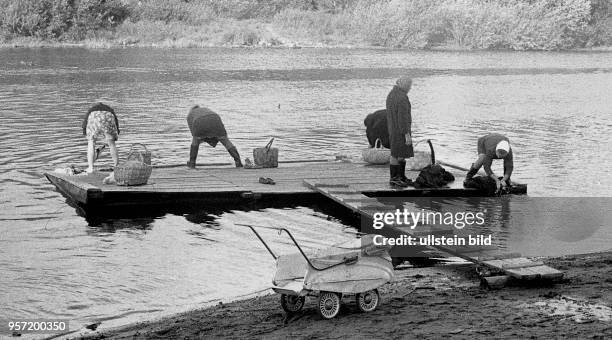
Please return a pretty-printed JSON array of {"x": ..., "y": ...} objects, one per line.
[
  {"x": 490, "y": 147},
  {"x": 399, "y": 124}
]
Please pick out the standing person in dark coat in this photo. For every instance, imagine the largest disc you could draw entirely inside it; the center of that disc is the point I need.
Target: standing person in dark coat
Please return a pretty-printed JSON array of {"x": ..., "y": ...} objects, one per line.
[
  {"x": 399, "y": 124},
  {"x": 490, "y": 147},
  {"x": 376, "y": 128},
  {"x": 206, "y": 126}
]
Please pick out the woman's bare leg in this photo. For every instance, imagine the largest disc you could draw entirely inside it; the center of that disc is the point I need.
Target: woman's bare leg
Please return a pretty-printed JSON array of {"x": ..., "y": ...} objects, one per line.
[
  {"x": 91, "y": 143},
  {"x": 193, "y": 152},
  {"x": 232, "y": 150},
  {"x": 113, "y": 151}
]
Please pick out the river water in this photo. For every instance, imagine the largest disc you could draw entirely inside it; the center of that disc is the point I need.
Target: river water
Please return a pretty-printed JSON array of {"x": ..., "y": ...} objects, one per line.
[{"x": 556, "y": 108}]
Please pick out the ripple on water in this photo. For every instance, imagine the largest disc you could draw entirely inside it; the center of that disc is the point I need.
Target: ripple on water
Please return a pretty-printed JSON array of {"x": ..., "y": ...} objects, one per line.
[{"x": 313, "y": 101}]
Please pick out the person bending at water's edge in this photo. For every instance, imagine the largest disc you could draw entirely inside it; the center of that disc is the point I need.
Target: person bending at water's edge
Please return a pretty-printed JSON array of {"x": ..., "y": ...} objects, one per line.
[
  {"x": 399, "y": 124},
  {"x": 206, "y": 126},
  {"x": 376, "y": 128},
  {"x": 490, "y": 147},
  {"x": 100, "y": 121}
]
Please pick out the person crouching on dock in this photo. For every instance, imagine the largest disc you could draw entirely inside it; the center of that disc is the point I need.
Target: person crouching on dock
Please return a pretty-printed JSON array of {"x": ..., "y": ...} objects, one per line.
[
  {"x": 100, "y": 121},
  {"x": 399, "y": 124},
  {"x": 490, "y": 147},
  {"x": 206, "y": 126}
]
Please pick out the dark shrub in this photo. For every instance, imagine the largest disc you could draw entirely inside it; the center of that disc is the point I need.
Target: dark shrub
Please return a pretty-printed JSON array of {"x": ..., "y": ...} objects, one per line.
[{"x": 52, "y": 19}]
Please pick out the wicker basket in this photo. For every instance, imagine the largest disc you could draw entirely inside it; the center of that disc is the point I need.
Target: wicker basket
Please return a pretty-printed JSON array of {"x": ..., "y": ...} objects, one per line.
[
  {"x": 376, "y": 155},
  {"x": 421, "y": 159},
  {"x": 145, "y": 153},
  {"x": 266, "y": 157},
  {"x": 136, "y": 170}
]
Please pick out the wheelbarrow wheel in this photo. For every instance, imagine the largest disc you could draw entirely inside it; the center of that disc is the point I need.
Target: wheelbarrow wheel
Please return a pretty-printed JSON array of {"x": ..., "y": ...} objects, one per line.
[
  {"x": 368, "y": 301},
  {"x": 292, "y": 303},
  {"x": 329, "y": 305}
]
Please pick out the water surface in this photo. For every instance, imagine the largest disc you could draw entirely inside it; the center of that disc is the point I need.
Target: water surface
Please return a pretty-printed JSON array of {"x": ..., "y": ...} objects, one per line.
[{"x": 555, "y": 107}]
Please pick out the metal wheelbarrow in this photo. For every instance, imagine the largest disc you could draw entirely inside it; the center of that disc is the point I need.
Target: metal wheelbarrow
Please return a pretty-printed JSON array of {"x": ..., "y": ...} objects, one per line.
[{"x": 330, "y": 274}]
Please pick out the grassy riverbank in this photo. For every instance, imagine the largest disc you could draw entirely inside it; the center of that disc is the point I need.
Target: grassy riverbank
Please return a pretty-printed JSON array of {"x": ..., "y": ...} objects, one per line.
[
  {"x": 427, "y": 303},
  {"x": 460, "y": 24}
]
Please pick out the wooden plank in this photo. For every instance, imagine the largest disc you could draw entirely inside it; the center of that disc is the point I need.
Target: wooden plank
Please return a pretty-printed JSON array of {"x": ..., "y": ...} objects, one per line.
[
  {"x": 363, "y": 199},
  {"x": 514, "y": 262},
  {"x": 524, "y": 268},
  {"x": 500, "y": 256},
  {"x": 211, "y": 181},
  {"x": 496, "y": 282},
  {"x": 81, "y": 192},
  {"x": 533, "y": 273},
  {"x": 344, "y": 192},
  {"x": 523, "y": 265},
  {"x": 321, "y": 185},
  {"x": 369, "y": 208}
]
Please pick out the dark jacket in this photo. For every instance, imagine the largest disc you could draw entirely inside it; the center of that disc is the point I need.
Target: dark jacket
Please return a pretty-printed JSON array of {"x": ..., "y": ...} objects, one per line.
[
  {"x": 206, "y": 125},
  {"x": 99, "y": 107},
  {"x": 486, "y": 146},
  {"x": 399, "y": 122},
  {"x": 376, "y": 128}
]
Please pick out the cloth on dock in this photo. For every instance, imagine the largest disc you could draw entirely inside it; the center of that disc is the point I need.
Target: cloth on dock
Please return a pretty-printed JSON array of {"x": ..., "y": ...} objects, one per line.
[
  {"x": 206, "y": 125},
  {"x": 70, "y": 171},
  {"x": 433, "y": 176},
  {"x": 110, "y": 179},
  {"x": 485, "y": 184}
]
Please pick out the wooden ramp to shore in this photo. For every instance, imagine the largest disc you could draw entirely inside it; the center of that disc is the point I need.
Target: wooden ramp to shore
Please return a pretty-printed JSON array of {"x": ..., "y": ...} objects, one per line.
[
  {"x": 180, "y": 185},
  {"x": 512, "y": 265}
]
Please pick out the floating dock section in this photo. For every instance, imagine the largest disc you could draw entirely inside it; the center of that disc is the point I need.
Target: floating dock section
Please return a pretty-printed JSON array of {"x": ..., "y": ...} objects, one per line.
[
  {"x": 180, "y": 185},
  {"x": 352, "y": 185},
  {"x": 502, "y": 265}
]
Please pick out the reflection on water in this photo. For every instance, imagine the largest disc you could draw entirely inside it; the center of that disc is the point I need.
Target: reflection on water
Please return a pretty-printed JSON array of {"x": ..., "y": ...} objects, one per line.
[
  {"x": 137, "y": 265},
  {"x": 554, "y": 107}
]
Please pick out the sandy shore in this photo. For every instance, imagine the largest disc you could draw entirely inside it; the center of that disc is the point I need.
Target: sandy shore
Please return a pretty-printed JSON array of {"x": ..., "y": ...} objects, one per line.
[{"x": 434, "y": 302}]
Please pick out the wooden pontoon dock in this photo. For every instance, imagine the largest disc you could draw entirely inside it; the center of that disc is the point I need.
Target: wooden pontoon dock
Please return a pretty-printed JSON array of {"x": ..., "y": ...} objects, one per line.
[
  {"x": 180, "y": 185},
  {"x": 352, "y": 185}
]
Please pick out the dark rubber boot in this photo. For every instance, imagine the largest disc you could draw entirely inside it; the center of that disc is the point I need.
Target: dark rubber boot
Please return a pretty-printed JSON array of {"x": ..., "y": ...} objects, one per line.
[
  {"x": 236, "y": 156},
  {"x": 473, "y": 171},
  {"x": 396, "y": 180},
  {"x": 402, "y": 172},
  {"x": 193, "y": 155}
]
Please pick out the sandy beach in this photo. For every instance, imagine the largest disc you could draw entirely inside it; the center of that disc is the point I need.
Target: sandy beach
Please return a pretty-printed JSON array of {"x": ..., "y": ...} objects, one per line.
[{"x": 429, "y": 303}]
